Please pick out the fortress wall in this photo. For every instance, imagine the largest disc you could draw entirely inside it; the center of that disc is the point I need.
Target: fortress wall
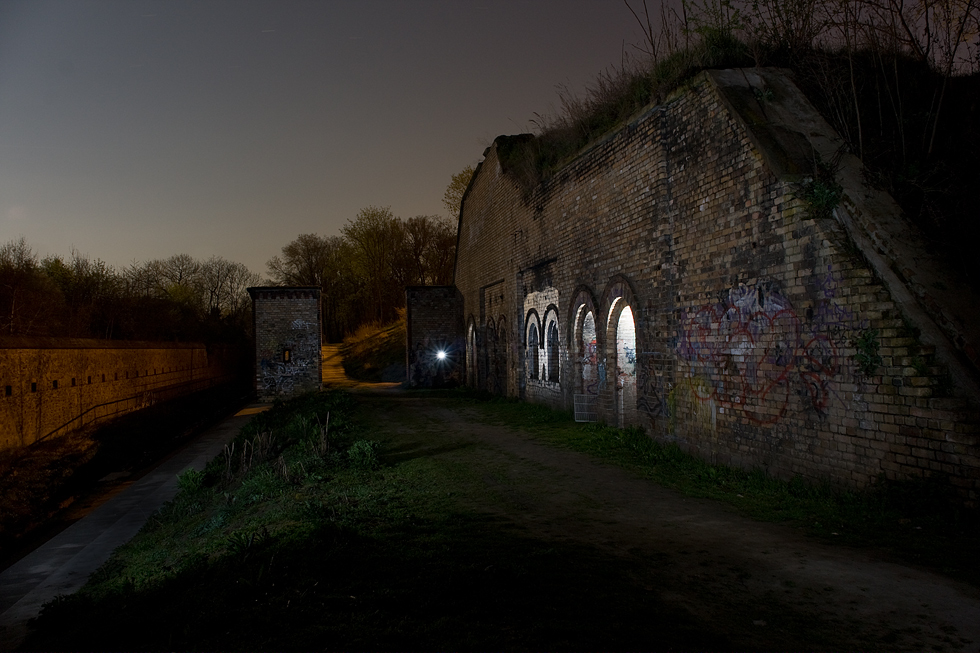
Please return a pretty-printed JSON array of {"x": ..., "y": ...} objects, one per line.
[
  {"x": 434, "y": 324},
  {"x": 748, "y": 319},
  {"x": 50, "y": 387},
  {"x": 287, "y": 341}
]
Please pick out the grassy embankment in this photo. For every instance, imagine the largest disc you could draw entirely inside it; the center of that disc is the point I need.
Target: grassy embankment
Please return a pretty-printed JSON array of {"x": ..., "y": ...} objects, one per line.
[
  {"x": 308, "y": 537},
  {"x": 376, "y": 353}
]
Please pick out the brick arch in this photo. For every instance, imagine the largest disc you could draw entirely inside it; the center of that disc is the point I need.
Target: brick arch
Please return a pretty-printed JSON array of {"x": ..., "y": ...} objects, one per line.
[
  {"x": 583, "y": 299},
  {"x": 532, "y": 317},
  {"x": 551, "y": 326},
  {"x": 583, "y": 359},
  {"x": 532, "y": 347},
  {"x": 619, "y": 287},
  {"x": 621, "y": 398}
]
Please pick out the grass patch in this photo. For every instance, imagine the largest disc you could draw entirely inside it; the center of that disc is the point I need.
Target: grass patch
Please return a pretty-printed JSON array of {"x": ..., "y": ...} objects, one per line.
[
  {"x": 921, "y": 521},
  {"x": 304, "y": 537}
]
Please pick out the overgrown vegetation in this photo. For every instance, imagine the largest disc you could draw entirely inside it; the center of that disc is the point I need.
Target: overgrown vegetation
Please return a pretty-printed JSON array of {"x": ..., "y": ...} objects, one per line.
[
  {"x": 821, "y": 193},
  {"x": 899, "y": 81},
  {"x": 178, "y": 298},
  {"x": 922, "y": 521},
  {"x": 867, "y": 357},
  {"x": 308, "y": 534},
  {"x": 298, "y": 539},
  {"x": 362, "y": 273},
  {"x": 376, "y": 352}
]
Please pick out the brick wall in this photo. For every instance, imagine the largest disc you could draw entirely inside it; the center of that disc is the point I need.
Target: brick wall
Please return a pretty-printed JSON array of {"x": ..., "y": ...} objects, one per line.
[
  {"x": 287, "y": 341},
  {"x": 49, "y": 387},
  {"x": 434, "y": 325},
  {"x": 725, "y": 318}
]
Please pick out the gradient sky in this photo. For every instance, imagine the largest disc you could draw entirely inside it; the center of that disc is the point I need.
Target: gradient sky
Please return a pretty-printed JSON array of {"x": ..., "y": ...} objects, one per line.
[{"x": 133, "y": 130}]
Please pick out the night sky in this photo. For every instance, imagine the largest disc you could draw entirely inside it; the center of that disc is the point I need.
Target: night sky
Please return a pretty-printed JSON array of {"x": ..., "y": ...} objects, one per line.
[{"x": 135, "y": 130}]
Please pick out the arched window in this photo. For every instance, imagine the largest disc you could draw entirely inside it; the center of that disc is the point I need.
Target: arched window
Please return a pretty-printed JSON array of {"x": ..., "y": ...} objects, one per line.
[
  {"x": 553, "y": 352},
  {"x": 532, "y": 351}
]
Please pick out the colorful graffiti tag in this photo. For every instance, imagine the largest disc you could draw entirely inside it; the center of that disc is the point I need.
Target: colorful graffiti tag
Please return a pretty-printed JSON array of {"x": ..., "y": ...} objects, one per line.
[{"x": 753, "y": 353}]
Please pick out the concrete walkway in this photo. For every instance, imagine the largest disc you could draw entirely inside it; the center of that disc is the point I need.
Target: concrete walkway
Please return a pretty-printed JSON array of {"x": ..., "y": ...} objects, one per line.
[{"x": 64, "y": 563}]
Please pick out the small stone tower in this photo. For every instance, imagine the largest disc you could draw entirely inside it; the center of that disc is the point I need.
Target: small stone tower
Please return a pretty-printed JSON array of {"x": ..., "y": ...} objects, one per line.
[{"x": 287, "y": 341}]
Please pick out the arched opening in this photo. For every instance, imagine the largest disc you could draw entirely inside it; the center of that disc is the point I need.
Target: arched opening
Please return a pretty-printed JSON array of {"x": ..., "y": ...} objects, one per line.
[
  {"x": 588, "y": 355},
  {"x": 471, "y": 355},
  {"x": 532, "y": 351},
  {"x": 625, "y": 339},
  {"x": 553, "y": 366}
]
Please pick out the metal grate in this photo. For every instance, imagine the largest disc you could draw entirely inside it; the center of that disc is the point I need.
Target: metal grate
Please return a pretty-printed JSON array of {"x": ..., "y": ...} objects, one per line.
[{"x": 585, "y": 408}]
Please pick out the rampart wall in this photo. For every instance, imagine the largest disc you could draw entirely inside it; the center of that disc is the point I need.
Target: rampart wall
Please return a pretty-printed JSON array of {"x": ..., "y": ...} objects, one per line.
[
  {"x": 671, "y": 277},
  {"x": 50, "y": 387}
]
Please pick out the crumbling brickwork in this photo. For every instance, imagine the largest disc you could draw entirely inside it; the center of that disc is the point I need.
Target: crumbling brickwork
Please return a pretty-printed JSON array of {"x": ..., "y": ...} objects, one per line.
[
  {"x": 693, "y": 293},
  {"x": 287, "y": 341},
  {"x": 435, "y": 348}
]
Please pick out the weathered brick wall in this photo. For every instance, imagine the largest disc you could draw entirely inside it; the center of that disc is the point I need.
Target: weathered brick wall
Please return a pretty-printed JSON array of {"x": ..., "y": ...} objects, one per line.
[
  {"x": 434, "y": 325},
  {"x": 725, "y": 318},
  {"x": 287, "y": 341},
  {"x": 50, "y": 387}
]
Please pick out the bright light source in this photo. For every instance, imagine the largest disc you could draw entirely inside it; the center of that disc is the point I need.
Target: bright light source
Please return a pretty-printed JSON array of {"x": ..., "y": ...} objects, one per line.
[{"x": 441, "y": 355}]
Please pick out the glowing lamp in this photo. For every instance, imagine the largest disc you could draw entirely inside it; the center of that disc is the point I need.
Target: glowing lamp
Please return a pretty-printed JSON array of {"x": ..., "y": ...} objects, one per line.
[{"x": 441, "y": 355}]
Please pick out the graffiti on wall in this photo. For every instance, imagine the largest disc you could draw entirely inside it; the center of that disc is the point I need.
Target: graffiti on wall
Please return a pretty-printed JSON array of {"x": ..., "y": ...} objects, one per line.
[
  {"x": 590, "y": 366},
  {"x": 652, "y": 383},
  {"x": 282, "y": 374},
  {"x": 541, "y": 357},
  {"x": 754, "y": 354}
]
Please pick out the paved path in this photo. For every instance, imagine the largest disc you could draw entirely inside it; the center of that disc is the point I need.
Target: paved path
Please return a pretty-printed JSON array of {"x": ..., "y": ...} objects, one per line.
[{"x": 64, "y": 563}]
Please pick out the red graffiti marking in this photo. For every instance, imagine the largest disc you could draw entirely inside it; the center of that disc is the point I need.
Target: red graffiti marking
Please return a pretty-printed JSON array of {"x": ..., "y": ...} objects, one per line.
[{"x": 752, "y": 353}]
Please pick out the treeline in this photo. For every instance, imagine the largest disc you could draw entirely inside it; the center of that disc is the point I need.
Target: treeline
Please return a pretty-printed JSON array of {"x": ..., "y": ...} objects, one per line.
[
  {"x": 363, "y": 272},
  {"x": 174, "y": 299},
  {"x": 899, "y": 80}
]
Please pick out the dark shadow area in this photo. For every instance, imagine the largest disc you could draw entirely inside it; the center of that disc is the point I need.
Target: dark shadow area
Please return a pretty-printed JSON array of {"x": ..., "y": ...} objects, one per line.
[
  {"x": 42, "y": 485},
  {"x": 464, "y": 582},
  {"x": 413, "y": 450}
]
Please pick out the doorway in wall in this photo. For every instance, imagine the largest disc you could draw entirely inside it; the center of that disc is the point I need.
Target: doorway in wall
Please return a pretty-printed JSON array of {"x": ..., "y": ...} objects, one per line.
[
  {"x": 625, "y": 367},
  {"x": 589, "y": 380}
]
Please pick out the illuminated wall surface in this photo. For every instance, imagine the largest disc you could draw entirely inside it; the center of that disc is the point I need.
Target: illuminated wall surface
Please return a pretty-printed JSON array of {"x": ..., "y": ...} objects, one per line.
[
  {"x": 671, "y": 274},
  {"x": 287, "y": 341},
  {"x": 50, "y": 387}
]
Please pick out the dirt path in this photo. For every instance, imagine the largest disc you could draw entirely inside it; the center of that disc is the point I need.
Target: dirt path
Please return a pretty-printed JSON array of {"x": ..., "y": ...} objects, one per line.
[{"x": 763, "y": 585}]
